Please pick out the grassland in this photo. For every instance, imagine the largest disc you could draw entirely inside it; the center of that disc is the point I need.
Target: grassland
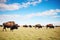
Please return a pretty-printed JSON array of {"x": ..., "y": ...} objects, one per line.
[{"x": 31, "y": 34}]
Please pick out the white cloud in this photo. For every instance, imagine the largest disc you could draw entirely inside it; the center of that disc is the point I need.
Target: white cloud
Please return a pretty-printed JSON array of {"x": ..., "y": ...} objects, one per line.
[
  {"x": 16, "y": 6},
  {"x": 56, "y": 23},
  {"x": 51, "y": 13},
  {"x": 4, "y": 18},
  {"x": 45, "y": 13},
  {"x": 57, "y": 10},
  {"x": 56, "y": 16},
  {"x": 3, "y": 1},
  {"x": 35, "y": 2}
]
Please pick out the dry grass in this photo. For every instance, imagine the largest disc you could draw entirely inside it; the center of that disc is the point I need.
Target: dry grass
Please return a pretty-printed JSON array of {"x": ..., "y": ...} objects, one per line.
[{"x": 31, "y": 34}]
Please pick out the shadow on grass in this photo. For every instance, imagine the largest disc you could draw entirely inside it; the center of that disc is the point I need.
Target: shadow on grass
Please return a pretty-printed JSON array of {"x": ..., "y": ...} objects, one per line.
[
  {"x": 39, "y": 38},
  {"x": 54, "y": 38},
  {"x": 2, "y": 38}
]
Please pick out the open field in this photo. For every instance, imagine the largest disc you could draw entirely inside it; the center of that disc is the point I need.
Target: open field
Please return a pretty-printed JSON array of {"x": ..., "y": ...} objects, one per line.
[{"x": 31, "y": 34}]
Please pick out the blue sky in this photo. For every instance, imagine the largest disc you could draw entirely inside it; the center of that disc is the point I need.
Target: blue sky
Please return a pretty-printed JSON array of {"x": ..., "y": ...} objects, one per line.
[{"x": 30, "y": 11}]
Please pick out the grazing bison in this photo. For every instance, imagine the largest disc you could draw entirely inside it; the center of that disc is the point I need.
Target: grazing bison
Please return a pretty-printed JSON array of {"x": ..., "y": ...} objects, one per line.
[
  {"x": 50, "y": 26},
  {"x": 30, "y": 26},
  {"x": 38, "y": 26},
  {"x": 25, "y": 26},
  {"x": 11, "y": 25}
]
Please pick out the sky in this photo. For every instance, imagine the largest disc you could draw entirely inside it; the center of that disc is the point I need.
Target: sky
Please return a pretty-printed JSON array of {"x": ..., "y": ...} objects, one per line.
[{"x": 30, "y": 11}]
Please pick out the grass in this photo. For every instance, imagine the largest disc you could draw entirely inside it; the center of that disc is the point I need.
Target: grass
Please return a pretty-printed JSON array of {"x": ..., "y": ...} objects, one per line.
[{"x": 31, "y": 34}]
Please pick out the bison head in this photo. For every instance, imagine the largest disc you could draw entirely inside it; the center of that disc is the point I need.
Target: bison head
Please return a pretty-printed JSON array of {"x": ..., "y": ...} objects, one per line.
[{"x": 15, "y": 27}]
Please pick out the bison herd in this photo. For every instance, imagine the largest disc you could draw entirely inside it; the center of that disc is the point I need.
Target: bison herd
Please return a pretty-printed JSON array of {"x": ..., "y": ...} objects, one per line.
[{"x": 12, "y": 25}]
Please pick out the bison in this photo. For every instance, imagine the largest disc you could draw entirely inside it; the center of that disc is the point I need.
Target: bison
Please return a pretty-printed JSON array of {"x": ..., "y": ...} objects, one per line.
[
  {"x": 49, "y": 26},
  {"x": 38, "y": 26},
  {"x": 11, "y": 25},
  {"x": 30, "y": 26},
  {"x": 25, "y": 25}
]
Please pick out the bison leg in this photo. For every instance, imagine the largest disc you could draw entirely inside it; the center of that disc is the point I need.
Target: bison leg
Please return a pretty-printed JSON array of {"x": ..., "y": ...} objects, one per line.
[
  {"x": 4, "y": 29},
  {"x": 52, "y": 27},
  {"x": 11, "y": 29},
  {"x": 35, "y": 27},
  {"x": 39, "y": 27},
  {"x": 47, "y": 27}
]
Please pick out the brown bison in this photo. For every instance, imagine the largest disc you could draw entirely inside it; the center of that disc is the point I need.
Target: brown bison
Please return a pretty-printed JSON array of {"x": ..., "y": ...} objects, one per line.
[
  {"x": 38, "y": 26},
  {"x": 11, "y": 25},
  {"x": 25, "y": 25},
  {"x": 50, "y": 26},
  {"x": 30, "y": 26}
]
